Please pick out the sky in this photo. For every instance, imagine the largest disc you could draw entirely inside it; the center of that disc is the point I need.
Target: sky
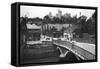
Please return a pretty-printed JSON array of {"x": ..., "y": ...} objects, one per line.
[{"x": 38, "y": 11}]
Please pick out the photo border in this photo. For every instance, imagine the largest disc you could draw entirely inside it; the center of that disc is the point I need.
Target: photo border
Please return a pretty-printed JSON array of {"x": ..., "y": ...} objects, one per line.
[{"x": 59, "y": 6}]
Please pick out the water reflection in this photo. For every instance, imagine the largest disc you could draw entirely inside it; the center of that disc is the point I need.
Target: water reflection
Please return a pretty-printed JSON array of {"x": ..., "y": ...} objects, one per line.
[{"x": 45, "y": 53}]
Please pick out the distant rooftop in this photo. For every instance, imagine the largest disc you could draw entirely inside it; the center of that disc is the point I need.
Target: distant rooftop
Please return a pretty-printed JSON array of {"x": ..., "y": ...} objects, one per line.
[{"x": 33, "y": 26}]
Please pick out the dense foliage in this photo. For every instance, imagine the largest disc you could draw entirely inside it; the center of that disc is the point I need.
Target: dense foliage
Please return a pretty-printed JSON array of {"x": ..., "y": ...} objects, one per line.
[{"x": 85, "y": 25}]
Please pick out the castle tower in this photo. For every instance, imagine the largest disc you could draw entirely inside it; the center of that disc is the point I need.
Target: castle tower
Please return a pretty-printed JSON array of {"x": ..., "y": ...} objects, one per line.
[{"x": 59, "y": 14}]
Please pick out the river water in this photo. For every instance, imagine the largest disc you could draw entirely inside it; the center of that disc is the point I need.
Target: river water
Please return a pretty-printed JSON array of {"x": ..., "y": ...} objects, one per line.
[{"x": 47, "y": 54}]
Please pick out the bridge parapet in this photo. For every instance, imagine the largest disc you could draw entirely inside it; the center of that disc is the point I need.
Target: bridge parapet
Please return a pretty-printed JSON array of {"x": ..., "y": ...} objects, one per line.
[{"x": 81, "y": 52}]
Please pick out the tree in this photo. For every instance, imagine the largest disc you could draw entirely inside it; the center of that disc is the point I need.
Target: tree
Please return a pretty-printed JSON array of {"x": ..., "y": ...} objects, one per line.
[
  {"x": 78, "y": 32},
  {"x": 46, "y": 19},
  {"x": 91, "y": 24},
  {"x": 82, "y": 23},
  {"x": 74, "y": 19},
  {"x": 56, "y": 20},
  {"x": 54, "y": 29},
  {"x": 63, "y": 29},
  {"x": 23, "y": 27}
]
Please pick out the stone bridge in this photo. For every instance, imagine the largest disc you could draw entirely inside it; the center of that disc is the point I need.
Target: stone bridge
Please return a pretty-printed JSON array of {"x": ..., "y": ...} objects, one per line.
[{"x": 83, "y": 50}]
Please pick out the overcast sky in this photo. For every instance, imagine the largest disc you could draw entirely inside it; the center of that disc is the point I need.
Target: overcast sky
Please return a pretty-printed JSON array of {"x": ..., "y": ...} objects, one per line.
[{"x": 38, "y": 11}]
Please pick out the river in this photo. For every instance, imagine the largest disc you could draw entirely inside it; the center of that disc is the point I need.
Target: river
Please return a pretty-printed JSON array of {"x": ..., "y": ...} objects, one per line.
[{"x": 47, "y": 54}]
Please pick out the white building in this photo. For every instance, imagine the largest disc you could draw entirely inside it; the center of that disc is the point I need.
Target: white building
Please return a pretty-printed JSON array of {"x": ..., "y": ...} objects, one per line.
[{"x": 68, "y": 33}]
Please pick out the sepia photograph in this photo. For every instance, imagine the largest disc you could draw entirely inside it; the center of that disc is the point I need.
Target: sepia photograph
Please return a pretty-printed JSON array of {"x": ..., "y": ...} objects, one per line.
[{"x": 57, "y": 34}]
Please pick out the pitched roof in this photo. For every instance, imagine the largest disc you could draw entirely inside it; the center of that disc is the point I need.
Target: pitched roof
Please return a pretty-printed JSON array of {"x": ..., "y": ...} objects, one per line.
[{"x": 33, "y": 26}]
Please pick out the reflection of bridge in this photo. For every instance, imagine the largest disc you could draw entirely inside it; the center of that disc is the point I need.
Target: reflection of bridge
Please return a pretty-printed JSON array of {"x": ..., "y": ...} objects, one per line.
[{"x": 83, "y": 50}]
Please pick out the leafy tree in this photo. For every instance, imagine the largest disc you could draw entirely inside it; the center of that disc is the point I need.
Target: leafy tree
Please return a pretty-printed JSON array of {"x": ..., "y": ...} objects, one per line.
[
  {"x": 63, "y": 29},
  {"x": 91, "y": 24},
  {"x": 23, "y": 27},
  {"x": 74, "y": 19},
  {"x": 46, "y": 19},
  {"x": 54, "y": 29}
]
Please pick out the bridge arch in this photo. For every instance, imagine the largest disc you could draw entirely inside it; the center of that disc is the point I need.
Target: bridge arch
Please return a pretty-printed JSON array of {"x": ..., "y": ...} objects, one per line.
[{"x": 63, "y": 51}]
